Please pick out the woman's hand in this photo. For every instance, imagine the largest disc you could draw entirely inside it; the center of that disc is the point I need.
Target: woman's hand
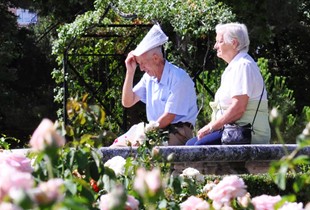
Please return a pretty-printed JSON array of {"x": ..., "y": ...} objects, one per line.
[{"x": 204, "y": 131}]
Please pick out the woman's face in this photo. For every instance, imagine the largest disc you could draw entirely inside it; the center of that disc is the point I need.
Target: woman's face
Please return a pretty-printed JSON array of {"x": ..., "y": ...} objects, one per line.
[{"x": 226, "y": 51}]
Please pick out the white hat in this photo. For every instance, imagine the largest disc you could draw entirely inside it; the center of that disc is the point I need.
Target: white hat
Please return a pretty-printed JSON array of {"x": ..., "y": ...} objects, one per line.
[{"x": 154, "y": 38}]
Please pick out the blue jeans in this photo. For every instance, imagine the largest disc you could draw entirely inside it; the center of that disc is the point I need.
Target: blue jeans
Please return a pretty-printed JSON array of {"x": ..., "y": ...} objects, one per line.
[{"x": 213, "y": 138}]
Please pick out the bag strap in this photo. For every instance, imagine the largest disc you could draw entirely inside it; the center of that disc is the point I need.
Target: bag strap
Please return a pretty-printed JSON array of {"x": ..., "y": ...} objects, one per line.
[{"x": 261, "y": 95}]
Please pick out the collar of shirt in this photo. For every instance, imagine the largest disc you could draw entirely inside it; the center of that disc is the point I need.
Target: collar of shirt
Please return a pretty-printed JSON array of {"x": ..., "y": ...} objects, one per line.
[
  {"x": 164, "y": 76},
  {"x": 236, "y": 58}
]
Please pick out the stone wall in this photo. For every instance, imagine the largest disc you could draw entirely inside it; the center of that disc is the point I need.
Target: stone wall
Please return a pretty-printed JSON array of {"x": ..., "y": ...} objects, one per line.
[{"x": 216, "y": 159}]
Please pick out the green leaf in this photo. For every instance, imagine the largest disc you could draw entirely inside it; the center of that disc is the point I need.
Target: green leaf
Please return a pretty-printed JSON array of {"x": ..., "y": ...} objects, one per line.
[
  {"x": 163, "y": 204},
  {"x": 176, "y": 185},
  {"x": 109, "y": 172},
  {"x": 298, "y": 184},
  {"x": 71, "y": 186},
  {"x": 102, "y": 117},
  {"x": 285, "y": 198},
  {"x": 97, "y": 158},
  {"x": 303, "y": 141},
  {"x": 301, "y": 159},
  {"x": 75, "y": 202},
  {"x": 280, "y": 178},
  {"x": 82, "y": 119}
]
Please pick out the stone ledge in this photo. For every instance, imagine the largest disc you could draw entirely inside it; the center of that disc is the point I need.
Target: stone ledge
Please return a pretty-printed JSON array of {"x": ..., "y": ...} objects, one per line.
[
  {"x": 210, "y": 153},
  {"x": 216, "y": 159}
]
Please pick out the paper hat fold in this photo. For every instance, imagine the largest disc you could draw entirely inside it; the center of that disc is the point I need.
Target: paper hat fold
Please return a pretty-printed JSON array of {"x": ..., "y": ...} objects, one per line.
[{"x": 154, "y": 38}]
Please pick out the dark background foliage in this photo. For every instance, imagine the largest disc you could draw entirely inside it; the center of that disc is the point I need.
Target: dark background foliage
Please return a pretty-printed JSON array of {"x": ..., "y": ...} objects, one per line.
[{"x": 279, "y": 31}]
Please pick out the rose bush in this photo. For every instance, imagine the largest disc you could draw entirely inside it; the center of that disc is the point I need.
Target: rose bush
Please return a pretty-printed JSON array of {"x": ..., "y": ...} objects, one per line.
[
  {"x": 55, "y": 175},
  {"x": 231, "y": 187},
  {"x": 194, "y": 203}
]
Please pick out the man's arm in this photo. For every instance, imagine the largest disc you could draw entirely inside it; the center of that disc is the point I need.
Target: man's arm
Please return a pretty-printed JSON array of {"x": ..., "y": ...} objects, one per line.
[
  {"x": 165, "y": 120},
  {"x": 129, "y": 98}
]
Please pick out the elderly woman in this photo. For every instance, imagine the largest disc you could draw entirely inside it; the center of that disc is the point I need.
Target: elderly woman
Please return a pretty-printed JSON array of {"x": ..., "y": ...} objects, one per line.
[{"x": 238, "y": 96}]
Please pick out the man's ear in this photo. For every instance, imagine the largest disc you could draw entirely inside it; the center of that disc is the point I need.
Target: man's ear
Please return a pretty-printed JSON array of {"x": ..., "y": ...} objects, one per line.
[{"x": 155, "y": 57}]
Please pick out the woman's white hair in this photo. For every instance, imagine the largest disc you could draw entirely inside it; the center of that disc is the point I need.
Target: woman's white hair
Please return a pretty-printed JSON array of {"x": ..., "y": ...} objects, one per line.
[{"x": 236, "y": 31}]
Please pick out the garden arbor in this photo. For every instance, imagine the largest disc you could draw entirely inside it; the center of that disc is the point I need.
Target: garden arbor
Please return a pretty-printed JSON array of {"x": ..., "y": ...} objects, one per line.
[{"x": 93, "y": 61}]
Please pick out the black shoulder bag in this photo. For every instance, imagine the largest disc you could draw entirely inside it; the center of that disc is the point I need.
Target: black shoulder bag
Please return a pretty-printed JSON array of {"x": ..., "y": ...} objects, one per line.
[{"x": 239, "y": 134}]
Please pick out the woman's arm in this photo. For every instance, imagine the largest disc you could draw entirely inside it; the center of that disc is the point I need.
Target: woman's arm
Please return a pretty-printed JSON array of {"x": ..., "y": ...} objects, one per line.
[{"x": 234, "y": 112}]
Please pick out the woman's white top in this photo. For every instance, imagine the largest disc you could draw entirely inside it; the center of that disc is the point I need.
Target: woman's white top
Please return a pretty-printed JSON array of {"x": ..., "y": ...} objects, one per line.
[{"x": 242, "y": 76}]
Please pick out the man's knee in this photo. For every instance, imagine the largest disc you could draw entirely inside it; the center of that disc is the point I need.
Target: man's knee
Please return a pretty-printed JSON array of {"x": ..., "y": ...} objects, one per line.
[{"x": 181, "y": 136}]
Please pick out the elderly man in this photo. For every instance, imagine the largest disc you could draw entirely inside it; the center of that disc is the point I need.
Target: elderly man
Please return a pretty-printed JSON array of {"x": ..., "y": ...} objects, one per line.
[{"x": 167, "y": 90}]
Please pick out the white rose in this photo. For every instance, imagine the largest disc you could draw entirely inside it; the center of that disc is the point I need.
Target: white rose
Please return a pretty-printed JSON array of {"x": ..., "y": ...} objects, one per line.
[
  {"x": 193, "y": 173},
  {"x": 117, "y": 164},
  {"x": 152, "y": 125}
]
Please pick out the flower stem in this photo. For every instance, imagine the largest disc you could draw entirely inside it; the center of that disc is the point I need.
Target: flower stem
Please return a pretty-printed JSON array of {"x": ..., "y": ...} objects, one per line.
[
  {"x": 49, "y": 167},
  {"x": 278, "y": 132}
]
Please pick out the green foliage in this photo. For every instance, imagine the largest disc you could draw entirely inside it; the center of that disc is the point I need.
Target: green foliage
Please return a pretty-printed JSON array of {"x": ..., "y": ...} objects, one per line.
[
  {"x": 79, "y": 164},
  {"x": 284, "y": 102},
  {"x": 80, "y": 167},
  {"x": 294, "y": 165},
  {"x": 87, "y": 123},
  {"x": 190, "y": 26},
  {"x": 5, "y": 141},
  {"x": 24, "y": 78},
  {"x": 210, "y": 79},
  {"x": 306, "y": 113}
]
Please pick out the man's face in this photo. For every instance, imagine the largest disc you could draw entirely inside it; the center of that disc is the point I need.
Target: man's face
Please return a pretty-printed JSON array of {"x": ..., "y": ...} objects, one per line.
[{"x": 146, "y": 63}]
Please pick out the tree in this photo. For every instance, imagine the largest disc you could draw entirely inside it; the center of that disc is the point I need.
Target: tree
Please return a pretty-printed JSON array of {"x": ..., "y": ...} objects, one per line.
[{"x": 26, "y": 94}]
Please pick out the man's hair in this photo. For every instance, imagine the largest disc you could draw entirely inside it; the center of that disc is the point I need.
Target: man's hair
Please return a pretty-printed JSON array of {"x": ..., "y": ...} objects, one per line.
[{"x": 157, "y": 51}]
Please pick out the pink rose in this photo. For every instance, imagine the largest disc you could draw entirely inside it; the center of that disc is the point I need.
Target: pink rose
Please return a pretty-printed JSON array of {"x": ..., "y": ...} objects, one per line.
[
  {"x": 208, "y": 187},
  {"x": 8, "y": 206},
  {"x": 194, "y": 203},
  {"x": 290, "y": 206},
  {"x": 18, "y": 161},
  {"x": 111, "y": 201},
  {"x": 147, "y": 181},
  {"x": 265, "y": 202},
  {"x": 244, "y": 200},
  {"x": 105, "y": 202},
  {"x": 11, "y": 178},
  {"x": 48, "y": 192},
  {"x": 46, "y": 135},
  {"x": 132, "y": 203},
  {"x": 229, "y": 188}
]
